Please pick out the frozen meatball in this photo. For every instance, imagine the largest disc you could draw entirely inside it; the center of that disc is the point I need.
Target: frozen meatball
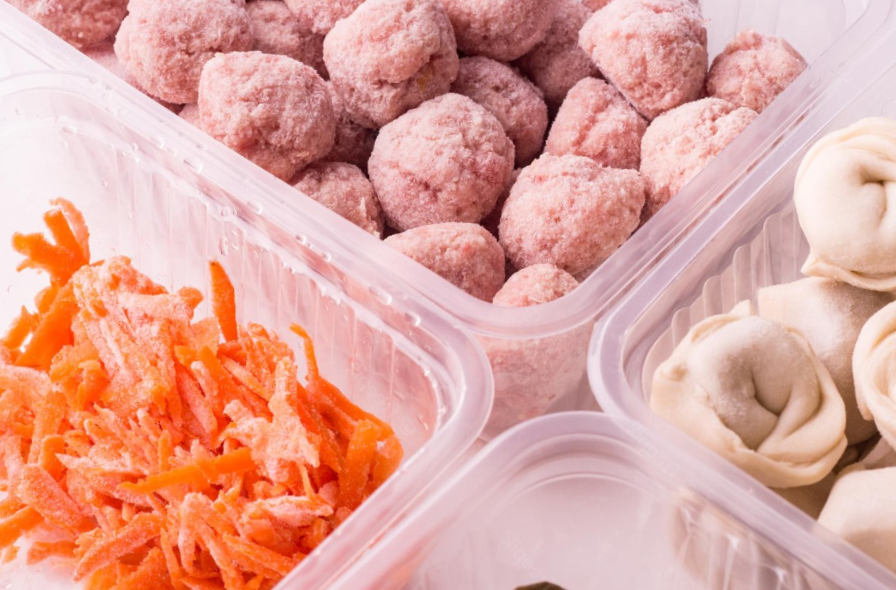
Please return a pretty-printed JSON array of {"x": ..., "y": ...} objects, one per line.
[
  {"x": 652, "y": 51},
  {"x": 594, "y": 5},
  {"x": 390, "y": 56},
  {"x": 321, "y": 15},
  {"x": 534, "y": 285},
  {"x": 447, "y": 160},
  {"x": 512, "y": 99},
  {"x": 753, "y": 70},
  {"x": 276, "y": 30},
  {"x": 79, "y": 22},
  {"x": 557, "y": 63},
  {"x": 165, "y": 44},
  {"x": 344, "y": 189},
  {"x": 104, "y": 54},
  {"x": 190, "y": 114},
  {"x": 679, "y": 144},
  {"x": 354, "y": 143},
  {"x": 595, "y": 121},
  {"x": 271, "y": 109},
  {"x": 500, "y": 29},
  {"x": 464, "y": 254},
  {"x": 571, "y": 212}
]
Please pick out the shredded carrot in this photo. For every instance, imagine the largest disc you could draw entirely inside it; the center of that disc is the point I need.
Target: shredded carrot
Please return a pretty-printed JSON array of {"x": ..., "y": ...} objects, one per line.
[{"x": 164, "y": 451}]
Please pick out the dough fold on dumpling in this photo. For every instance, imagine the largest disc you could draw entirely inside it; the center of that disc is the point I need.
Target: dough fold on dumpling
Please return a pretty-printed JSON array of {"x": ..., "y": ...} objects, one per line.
[
  {"x": 830, "y": 315},
  {"x": 845, "y": 196},
  {"x": 862, "y": 510},
  {"x": 874, "y": 367},
  {"x": 752, "y": 390}
]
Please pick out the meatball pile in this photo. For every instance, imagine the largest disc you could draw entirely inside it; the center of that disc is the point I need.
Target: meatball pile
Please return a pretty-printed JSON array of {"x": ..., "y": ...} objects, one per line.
[{"x": 482, "y": 138}]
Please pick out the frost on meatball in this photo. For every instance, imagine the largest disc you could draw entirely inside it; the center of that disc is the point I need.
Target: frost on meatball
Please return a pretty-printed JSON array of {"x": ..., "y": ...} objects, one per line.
[
  {"x": 571, "y": 212},
  {"x": 753, "y": 70},
  {"x": 104, "y": 54},
  {"x": 679, "y": 144},
  {"x": 353, "y": 143},
  {"x": 276, "y": 30},
  {"x": 652, "y": 51},
  {"x": 271, "y": 109},
  {"x": 321, "y": 15},
  {"x": 557, "y": 63},
  {"x": 595, "y": 121},
  {"x": 165, "y": 44},
  {"x": 535, "y": 285},
  {"x": 513, "y": 100},
  {"x": 345, "y": 190},
  {"x": 79, "y": 22},
  {"x": 447, "y": 160},
  {"x": 464, "y": 254},
  {"x": 390, "y": 56},
  {"x": 500, "y": 29}
]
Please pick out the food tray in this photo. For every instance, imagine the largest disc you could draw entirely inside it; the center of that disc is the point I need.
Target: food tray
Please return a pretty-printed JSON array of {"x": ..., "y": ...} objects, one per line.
[
  {"x": 588, "y": 502},
  {"x": 171, "y": 204},
  {"x": 541, "y": 352},
  {"x": 750, "y": 241}
]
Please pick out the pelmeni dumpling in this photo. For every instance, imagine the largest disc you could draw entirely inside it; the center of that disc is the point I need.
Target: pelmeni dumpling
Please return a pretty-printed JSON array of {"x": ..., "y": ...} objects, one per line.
[
  {"x": 845, "y": 195},
  {"x": 830, "y": 314},
  {"x": 862, "y": 510},
  {"x": 874, "y": 367},
  {"x": 752, "y": 390}
]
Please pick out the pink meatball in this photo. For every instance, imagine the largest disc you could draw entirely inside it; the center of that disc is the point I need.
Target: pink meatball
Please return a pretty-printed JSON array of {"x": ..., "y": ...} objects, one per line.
[
  {"x": 344, "y": 189},
  {"x": 321, "y": 15},
  {"x": 557, "y": 63},
  {"x": 595, "y": 121},
  {"x": 500, "y": 29},
  {"x": 594, "y": 5},
  {"x": 753, "y": 70},
  {"x": 514, "y": 101},
  {"x": 79, "y": 22},
  {"x": 276, "y": 30},
  {"x": 535, "y": 285},
  {"x": 679, "y": 144},
  {"x": 165, "y": 44},
  {"x": 271, "y": 109},
  {"x": 190, "y": 114},
  {"x": 354, "y": 143},
  {"x": 104, "y": 54},
  {"x": 464, "y": 254},
  {"x": 653, "y": 51},
  {"x": 390, "y": 56},
  {"x": 571, "y": 212},
  {"x": 447, "y": 160}
]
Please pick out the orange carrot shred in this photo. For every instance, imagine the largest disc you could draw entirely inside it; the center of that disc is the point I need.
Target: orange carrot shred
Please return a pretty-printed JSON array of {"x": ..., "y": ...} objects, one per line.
[
  {"x": 223, "y": 301},
  {"x": 40, "y": 550},
  {"x": 358, "y": 461},
  {"x": 198, "y": 473},
  {"x": 17, "y": 525},
  {"x": 10, "y": 553},
  {"x": 142, "y": 529}
]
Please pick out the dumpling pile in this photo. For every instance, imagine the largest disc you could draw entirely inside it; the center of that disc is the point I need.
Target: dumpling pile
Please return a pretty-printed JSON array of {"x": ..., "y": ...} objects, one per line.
[{"x": 801, "y": 393}]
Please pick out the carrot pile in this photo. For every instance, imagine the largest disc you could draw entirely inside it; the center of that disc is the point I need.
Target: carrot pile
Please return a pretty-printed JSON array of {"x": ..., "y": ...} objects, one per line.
[{"x": 149, "y": 450}]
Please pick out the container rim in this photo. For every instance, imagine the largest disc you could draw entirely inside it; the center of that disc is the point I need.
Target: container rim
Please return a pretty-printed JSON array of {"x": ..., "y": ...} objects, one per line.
[
  {"x": 466, "y": 371},
  {"x": 602, "y": 289}
]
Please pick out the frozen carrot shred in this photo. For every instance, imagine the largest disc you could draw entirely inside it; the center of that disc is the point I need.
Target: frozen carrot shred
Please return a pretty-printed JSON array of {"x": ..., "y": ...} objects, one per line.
[
  {"x": 167, "y": 452},
  {"x": 10, "y": 553}
]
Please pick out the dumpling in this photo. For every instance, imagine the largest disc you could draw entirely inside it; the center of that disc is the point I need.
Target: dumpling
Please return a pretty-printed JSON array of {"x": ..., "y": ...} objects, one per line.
[
  {"x": 845, "y": 196},
  {"x": 752, "y": 390},
  {"x": 874, "y": 367},
  {"x": 830, "y": 315},
  {"x": 862, "y": 510}
]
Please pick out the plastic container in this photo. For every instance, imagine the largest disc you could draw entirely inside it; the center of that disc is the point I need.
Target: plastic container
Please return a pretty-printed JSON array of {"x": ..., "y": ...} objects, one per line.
[
  {"x": 750, "y": 241},
  {"x": 173, "y": 204},
  {"x": 539, "y": 354},
  {"x": 588, "y": 502}
]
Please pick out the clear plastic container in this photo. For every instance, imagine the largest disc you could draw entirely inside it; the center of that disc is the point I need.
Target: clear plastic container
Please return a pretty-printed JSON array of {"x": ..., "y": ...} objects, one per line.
[
  {"x": 589, "y": 502},
  {"x": 172, "y": 204},
  {"x": 539, "y": 354},
  {"x": 752, "y": 240}
]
